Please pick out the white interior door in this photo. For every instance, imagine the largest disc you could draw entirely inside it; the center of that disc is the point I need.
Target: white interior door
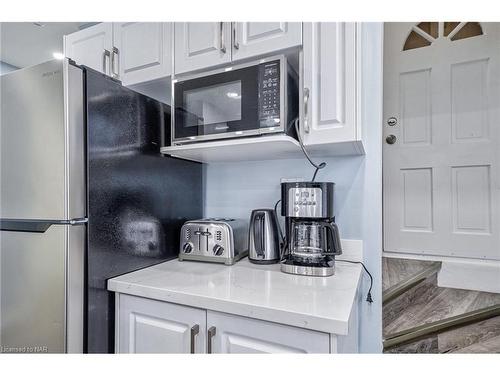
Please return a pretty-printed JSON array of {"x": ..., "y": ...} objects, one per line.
[{"x": 442, "y": 105}]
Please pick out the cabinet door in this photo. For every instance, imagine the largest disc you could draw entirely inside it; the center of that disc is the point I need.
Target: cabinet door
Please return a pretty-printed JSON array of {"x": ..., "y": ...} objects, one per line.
[
  {"x": 330, "y": 85},
  {"x": 236, "y": 334},
  {"x": 144, "y": 50},
  {"x": 258, "y": 38},
  {"x": 150, "y": 326},
  {"x": 200, "y": 45},
  {"x": 91, "y": 47}
]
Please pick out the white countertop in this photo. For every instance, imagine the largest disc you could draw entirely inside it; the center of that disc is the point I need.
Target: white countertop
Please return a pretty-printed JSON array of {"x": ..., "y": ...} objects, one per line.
[{"x": 255, "y": 291}]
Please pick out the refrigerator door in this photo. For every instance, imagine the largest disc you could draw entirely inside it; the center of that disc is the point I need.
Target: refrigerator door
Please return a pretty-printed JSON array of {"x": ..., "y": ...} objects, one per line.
[
  {"x": 32, "y": 143},
  {"x": 138, "y": 199},
  {"x": 33, "y": 291},
  {"x": 42, "y": 191}
]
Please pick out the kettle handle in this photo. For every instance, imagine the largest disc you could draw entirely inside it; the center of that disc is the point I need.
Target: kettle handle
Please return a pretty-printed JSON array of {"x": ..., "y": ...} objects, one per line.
[
  {"x": 258, "y": 233},
  {"x": 333, "y": 229}
]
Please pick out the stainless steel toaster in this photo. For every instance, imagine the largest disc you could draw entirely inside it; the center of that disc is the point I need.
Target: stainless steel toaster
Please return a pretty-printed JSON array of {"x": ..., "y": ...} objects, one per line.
[{"x": 213, "y": 240}]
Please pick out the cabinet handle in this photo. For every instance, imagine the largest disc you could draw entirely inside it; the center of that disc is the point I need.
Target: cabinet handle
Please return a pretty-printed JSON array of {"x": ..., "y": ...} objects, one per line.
[
  {"x": 211, "y": 333},
  {"x": 222, "y": 42},
  {"x": 236, "y": 45},
  {"x": 306, "y": 110},
  {"x": 114, "y": 72},
  {"x": 105, "y": 54},
  {"x": 194, "y": 331}
]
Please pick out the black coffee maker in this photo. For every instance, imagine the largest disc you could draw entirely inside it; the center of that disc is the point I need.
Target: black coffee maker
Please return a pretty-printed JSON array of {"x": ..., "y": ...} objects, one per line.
[{"x": 312, "y": 237}]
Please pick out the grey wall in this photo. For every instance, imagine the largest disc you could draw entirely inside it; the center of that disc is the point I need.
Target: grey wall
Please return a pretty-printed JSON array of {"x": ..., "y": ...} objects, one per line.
[
  {"x": 234, "y": 189},
  {"x": 6, "y": 68}
]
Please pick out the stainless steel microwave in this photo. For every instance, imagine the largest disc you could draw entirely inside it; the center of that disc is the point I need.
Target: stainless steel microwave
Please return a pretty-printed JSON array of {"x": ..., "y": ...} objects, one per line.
[{"x": 250, "y": 99}]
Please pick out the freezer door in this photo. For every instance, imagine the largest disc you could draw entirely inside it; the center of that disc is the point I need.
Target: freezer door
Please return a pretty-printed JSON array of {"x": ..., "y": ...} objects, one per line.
[
  {"x": 42, "y": 170},
  {"x": 32, "y": 143},
  {"x": 32, "y": 289}
]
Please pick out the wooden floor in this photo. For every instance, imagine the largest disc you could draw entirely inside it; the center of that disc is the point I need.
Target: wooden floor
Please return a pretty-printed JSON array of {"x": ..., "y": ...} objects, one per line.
[{"x": 427, "y": 303}]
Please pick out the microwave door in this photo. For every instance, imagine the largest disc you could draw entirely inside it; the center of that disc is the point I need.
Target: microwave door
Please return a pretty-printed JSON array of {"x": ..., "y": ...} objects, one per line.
[{"x": 217, "y": 106}]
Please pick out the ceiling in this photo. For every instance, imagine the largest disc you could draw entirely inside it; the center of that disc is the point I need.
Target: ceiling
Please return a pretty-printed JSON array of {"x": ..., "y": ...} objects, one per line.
[{"x": 27, "y": 43}]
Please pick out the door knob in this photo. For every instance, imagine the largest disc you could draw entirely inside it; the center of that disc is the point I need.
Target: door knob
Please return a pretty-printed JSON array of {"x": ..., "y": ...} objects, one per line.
[{"x": 391, "y": 139}]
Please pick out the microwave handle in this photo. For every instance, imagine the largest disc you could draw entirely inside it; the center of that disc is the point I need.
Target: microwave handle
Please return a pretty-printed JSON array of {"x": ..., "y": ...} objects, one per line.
[{"x": 222, "y": 41}]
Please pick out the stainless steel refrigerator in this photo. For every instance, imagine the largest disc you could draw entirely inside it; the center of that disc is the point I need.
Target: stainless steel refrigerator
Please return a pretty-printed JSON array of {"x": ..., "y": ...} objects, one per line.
[{"x": 85, "y": 196}]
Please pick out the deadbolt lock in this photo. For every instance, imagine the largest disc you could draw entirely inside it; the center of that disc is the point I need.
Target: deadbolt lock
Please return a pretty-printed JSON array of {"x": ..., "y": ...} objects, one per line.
[{"x": 392, "y": 121}]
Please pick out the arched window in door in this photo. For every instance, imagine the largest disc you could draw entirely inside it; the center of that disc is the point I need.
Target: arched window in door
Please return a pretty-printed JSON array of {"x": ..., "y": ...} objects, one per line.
[{"x": 425, "y": 33}]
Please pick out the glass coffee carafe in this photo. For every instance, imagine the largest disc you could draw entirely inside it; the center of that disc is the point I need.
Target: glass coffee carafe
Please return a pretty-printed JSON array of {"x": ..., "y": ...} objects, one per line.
[{"x": 313, "y": 240}]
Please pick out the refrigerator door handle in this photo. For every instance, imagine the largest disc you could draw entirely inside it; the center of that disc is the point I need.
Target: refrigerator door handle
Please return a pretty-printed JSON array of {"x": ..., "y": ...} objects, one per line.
[{"x": 36, "y": 225}]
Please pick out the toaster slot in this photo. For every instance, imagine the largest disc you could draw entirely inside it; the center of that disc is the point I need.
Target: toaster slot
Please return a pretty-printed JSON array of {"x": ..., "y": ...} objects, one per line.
[{"x": 204, "y": 236}]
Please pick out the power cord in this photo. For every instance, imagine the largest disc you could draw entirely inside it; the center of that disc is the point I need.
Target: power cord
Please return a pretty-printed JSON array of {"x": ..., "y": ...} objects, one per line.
[
  {"x": 317, "y": 167},
  {"x": 306, "y": 154},
  {"x": 369, "y": 298}
]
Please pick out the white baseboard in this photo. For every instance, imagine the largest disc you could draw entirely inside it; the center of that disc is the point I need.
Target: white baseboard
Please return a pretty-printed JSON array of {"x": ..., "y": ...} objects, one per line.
[
  {"x": 462, "y": 273},
  {"x": 352, "y": 250},
  {"x": 481, "y": 276}
]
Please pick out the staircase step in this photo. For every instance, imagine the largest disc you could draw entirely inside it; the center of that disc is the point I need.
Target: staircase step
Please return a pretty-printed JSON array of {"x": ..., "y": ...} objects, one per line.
[
  {"x": 429, "y": 303},
  {"x": 481, "y": 337},
  {"x": 394, "y": 310},
  {"x": 395, "y": 270},
  {"x": 406, "y": 284},
  {"x": 443, "y": 325},
  {"x": 425, "y": 345},
  {"x": 440, "y": 303}
]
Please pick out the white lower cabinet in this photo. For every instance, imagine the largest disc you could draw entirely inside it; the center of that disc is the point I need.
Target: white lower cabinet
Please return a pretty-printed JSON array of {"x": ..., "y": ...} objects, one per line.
[
  {"x": 150, "y": 326},
  {"x": 236, "y": 334}
]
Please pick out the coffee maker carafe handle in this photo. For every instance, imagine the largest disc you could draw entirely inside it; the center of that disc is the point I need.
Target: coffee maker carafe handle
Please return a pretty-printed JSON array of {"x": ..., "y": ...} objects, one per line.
[{"x": 333, "y": 230}]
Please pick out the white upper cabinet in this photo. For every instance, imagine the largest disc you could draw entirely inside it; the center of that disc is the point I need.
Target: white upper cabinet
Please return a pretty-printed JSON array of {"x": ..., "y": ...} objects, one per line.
[
  {"x": 144, "y": 51},
  {"x": 133, "y": 52},
  {"x": 259, "y": 38},
  {"x": 91, "y": 47},
  {"x": 329, "y": 102},
  {"x": 199, "y": 45},
  {"x": 149, "y": 326}
]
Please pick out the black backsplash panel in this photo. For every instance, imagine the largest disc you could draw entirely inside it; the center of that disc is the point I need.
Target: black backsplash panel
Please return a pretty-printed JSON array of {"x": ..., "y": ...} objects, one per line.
[{"x": 137, "y": 198}]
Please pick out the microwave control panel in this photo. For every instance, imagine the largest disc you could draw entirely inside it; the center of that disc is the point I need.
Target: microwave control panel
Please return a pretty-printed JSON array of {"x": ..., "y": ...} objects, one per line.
[{"x": 269, "y": 94}]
